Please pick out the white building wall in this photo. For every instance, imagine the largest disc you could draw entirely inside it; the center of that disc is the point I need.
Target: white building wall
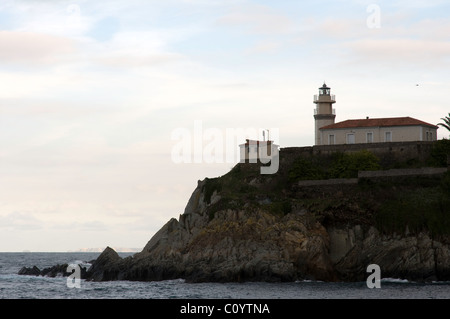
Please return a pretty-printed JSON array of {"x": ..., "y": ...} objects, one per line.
[
  {"x": 397, "y": 133},
  {"x": 318, "y": 123}
]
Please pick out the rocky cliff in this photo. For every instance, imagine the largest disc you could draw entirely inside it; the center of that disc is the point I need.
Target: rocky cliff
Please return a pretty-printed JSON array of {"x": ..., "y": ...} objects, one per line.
[{"x": 245, "y": 226}]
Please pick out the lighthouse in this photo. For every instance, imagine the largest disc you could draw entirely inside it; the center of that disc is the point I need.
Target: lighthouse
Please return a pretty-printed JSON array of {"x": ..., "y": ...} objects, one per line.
[{"x": 324, "y": 114}]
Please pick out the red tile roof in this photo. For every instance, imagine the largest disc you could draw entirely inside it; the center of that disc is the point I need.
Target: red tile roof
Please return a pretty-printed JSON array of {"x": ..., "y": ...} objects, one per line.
[{"x": 392, "y": 121}]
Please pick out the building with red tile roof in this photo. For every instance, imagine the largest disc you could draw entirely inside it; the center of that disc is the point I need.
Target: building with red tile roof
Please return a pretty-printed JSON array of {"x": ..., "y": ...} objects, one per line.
[{"x": 368, "y": 130}]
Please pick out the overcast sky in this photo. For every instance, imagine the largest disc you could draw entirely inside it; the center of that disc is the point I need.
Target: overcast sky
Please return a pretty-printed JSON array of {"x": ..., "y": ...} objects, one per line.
[{"x": 91, "y": 93}]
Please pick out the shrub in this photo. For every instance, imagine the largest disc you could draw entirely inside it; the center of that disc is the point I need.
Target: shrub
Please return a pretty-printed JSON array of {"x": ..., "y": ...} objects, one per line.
[
  {"x": 439, "y": 153},
  {"x": 425, "y": 209},
  {"x": 280, "y": 208},
  {"x": 347, "y": 165},
  {"x": 306, "y": 169},
  {"x": 211, "y": 185},
  {"x": 445, "y": 183}
]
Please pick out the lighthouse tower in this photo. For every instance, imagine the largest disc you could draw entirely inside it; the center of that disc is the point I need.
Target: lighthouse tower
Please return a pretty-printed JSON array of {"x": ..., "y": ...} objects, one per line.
[{"x": 324, "y": 114}]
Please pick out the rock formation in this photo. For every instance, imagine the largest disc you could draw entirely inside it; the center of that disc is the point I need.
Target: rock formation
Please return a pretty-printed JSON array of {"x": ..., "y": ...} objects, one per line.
[
  {"x": 54, "y": 271},
  {"x": 244, "y": 226}
]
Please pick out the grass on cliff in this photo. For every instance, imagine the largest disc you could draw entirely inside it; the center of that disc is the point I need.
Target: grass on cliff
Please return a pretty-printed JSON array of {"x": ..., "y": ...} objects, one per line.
[
  {"x": 245, "y": 186},
  {"x": 338, "y": 165},
  {"x": 416, "y": 210},
  {"x": 439, "y": 153}
]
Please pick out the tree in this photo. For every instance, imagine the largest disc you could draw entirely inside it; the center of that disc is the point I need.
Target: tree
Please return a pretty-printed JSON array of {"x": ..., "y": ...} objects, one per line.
[{"x": 446, "y": 123}]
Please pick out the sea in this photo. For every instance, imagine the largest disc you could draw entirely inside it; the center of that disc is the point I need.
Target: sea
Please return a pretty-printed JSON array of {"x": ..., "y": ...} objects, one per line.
[{"x": 14, "y": 286}]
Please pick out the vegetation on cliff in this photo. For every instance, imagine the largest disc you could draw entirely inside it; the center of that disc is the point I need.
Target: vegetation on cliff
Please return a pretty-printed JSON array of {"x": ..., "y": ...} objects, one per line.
[
  {"x": 338, "y": 165},
  {"x": 410, "y": 203}
]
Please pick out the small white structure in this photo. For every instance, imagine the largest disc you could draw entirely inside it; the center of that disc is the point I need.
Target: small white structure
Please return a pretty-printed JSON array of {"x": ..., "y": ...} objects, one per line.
[
  {"x": 376, "y": 130},
  {"x": 252, "y": 151}
]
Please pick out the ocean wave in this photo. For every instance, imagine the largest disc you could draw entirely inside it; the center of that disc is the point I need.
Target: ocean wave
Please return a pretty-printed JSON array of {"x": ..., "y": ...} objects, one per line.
[
  {"x": 81, "y": 263},
  {"x": 406, "y": 281},
  {"x": 307, "y": 280},
  {"x": 396, "y": 280}
]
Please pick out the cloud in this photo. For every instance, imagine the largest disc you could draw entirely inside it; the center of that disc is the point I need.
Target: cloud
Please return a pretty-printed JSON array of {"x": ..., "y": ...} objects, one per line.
[
  {"x": 89, "y": 226},
  {"x": 402, "y": 40},
  {"x": 264, "y": 47},
  {"x": 418, "y": 4},
  {"x": 400, "y": 52},
  {"x": 105, "y": 28},
  {"x": 50, "y": 17},
  {"x": 210, "y": 2},
  {"x": 257, "y": 19},
  {"x": 436, "y": 29},
  {"x": 33, "y": 48},
  {"x": 20, "y": 221},
  {"x": 127, "y": 60},
  {"x": 132, "y": 49}
]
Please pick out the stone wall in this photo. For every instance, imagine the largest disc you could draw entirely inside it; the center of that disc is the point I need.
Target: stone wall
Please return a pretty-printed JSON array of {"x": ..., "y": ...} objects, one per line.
[
  {"x": 396, "y": 150},
  {"x": 403, "y": 172},
  {"x": 334, "y": 181}
]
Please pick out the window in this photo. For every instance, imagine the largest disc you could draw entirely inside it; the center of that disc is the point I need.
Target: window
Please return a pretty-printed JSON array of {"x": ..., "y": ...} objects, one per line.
[
  {"x": 331, "y": 140},
  {"x": 351, "y": 138},
  {"x": 429, "y": 136},
  {"x": 388, "y": 136},
  {"x": 369, "y": 137}
]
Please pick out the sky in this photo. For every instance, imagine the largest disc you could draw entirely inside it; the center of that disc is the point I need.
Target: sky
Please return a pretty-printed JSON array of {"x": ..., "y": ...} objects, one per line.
[{"x": 94, "y": 94}]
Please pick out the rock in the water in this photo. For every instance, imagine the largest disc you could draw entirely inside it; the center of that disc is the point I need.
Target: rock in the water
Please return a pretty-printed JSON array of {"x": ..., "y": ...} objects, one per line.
[
  {"x": 29, "y": 271},
  {"x": 54, "y": 271},
  {"x": 105, "y": 267}
]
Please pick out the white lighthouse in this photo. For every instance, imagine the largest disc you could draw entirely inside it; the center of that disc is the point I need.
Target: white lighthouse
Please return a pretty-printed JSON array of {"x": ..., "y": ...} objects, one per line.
[{"x": 324, "y": 114}]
